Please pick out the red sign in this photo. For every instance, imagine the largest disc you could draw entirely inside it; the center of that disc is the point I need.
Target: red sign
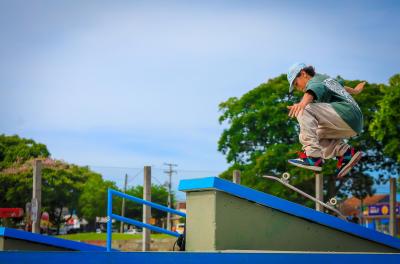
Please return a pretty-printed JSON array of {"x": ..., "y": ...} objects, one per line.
[{"x": 11, "y": 212}]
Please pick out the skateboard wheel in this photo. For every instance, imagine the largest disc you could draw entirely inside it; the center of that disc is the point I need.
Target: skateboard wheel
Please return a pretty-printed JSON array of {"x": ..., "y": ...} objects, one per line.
[
  {"x": 286, "y": 176},
  {"x": 333, "y": 201}
]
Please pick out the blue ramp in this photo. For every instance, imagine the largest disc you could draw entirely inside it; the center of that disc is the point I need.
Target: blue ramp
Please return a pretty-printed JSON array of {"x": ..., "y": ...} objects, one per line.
[
  {"x": 222, "y": 195},
  {"x": 13, "y": 239}
]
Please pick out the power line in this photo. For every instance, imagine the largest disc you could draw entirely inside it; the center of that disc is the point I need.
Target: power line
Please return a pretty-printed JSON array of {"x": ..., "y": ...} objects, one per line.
[
  {"x": 155, "y": 178},
  {"x": 154, "y": 167},
  {"x": 137, "y": 174},
  {"x": 212, "y": 171},
  {"x": 113, "y": 167}
]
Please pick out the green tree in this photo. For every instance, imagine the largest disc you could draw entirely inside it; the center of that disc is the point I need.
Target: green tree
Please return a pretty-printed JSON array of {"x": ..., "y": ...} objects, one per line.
[
  {"x": 93, "y": 199},
  {"x": 15, "y": 188},
  {"x": 61, "y": 189},
  {"x": 375, "y": 166},
  {"x": 386, "y": 124},
  {"x": 16, "y": 169},
  {"x": 15, "y": 150},
  {"x": 159, "y": 195},
  {"x": 63, "y": 185}
]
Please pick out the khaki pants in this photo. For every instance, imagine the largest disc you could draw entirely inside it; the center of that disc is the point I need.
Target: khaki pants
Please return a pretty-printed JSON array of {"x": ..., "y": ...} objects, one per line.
[{"x": 322, "y": 131}]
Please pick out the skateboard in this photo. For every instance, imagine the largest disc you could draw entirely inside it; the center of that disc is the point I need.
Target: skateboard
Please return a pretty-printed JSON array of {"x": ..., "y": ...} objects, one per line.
[{"x": 329, "y": 205}]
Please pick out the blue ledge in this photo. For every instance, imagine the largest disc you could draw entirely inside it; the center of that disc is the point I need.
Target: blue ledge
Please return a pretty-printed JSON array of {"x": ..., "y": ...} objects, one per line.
[
  {"x": 48, "y": 240},
  {"x": 288, "y": 207}
]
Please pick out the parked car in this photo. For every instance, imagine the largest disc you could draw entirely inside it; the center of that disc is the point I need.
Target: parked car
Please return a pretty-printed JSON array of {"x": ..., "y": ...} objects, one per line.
[{"x": 133, "y": 231}]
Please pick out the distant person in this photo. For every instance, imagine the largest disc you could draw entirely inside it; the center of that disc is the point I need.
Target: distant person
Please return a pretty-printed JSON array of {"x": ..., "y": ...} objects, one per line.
[
  {"x": 327, "y": 114},
  {"x": 355, "y": 219}
]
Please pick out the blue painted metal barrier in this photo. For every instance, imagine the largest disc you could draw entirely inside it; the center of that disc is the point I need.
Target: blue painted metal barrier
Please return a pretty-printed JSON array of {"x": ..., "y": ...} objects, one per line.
[{"x": 111, "y": 216}]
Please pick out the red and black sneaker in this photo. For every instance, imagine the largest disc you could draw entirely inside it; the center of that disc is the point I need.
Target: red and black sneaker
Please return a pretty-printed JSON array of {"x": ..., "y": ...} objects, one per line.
[
  {"x": 306, "y": 162},
  {"x": 347, "y": 161}
]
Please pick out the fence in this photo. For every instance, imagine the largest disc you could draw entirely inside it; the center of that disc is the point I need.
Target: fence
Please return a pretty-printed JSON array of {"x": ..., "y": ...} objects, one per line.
[{"x": 111, "y": 216}]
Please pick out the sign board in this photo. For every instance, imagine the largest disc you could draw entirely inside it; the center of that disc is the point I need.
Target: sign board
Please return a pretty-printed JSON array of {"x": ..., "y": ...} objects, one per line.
[
  {"x": 28, "y": 208},
  {"x": 11, "y": 212},
  {"x": 381, "y": 209}
]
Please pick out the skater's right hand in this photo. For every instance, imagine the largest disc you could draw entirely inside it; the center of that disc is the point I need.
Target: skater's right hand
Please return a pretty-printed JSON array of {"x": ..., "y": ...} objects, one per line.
[{"x": 296, "y": 109}]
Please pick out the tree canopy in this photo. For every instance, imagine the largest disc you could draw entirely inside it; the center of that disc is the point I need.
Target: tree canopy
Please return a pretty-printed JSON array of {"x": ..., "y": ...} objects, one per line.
[
  {"x": 16, "y": 150},
  {"x": 64, "y": 186},
  {"x": 385, "y": 126}
]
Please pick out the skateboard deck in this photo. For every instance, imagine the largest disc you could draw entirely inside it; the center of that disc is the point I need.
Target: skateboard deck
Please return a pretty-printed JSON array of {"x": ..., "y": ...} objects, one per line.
[{"x": 285, "y": 181}]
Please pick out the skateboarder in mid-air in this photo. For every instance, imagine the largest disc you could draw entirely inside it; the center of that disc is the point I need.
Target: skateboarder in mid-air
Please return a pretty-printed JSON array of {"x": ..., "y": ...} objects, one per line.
[{"x": 327, "y": 115}]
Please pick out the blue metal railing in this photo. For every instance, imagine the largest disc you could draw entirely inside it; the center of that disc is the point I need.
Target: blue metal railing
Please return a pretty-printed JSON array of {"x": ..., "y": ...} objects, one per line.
[{"x": 111, "y": 216}]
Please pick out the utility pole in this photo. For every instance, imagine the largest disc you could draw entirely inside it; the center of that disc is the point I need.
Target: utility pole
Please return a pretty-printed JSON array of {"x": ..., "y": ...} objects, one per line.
[
  {"x": 319, "y": 190},
  {"x": 36, "y": 196},
  {"x": 170, "y": 171},
  {"x": 236, "y": 176},
  {"x": 392, "y": 206},
  {"x": 146, "y": 240},
  {"x": 121, "y": 228}
]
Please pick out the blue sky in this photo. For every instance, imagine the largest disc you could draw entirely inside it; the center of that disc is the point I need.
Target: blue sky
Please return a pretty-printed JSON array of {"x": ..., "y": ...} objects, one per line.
[{"x": 134, "y": 83}]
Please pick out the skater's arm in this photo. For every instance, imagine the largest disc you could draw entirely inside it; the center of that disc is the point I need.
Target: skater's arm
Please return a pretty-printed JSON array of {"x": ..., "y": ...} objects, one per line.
[
  {"x": 356, "y": 90},
  {"x": 297, "y": 109}
]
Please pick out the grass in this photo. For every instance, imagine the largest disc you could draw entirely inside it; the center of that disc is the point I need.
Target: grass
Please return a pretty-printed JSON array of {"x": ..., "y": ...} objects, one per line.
[{"x": 103, "y": 236}]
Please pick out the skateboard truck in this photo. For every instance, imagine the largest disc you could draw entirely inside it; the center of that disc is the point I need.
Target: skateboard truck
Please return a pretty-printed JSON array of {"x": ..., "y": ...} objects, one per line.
[{"x": 329, "y": 205}]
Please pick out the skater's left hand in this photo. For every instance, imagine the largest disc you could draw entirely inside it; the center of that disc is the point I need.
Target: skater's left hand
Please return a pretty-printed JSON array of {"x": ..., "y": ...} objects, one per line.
[
  {"x": 356, "y": 90},
  {"x": 359, "y": 87}
]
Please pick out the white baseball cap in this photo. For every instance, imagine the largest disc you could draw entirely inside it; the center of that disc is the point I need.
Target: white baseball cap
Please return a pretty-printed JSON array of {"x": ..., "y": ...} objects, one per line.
[{"x": 292, "y": 73}]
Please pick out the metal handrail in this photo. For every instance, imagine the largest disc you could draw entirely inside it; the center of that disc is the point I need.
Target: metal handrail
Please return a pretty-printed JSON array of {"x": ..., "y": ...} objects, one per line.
[{"x": 111, "y": 216}]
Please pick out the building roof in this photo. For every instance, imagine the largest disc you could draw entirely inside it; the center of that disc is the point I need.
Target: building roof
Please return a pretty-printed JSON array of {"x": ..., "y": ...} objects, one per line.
[{"x": 181, "y": 205}]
